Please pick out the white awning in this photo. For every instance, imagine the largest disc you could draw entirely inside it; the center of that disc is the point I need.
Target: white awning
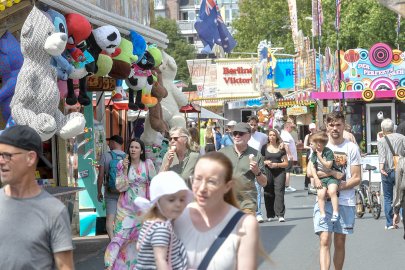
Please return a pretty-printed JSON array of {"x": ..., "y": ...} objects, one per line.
[
  {"x": 100, "y": 17},
  {"x": 206, "y": 114}
]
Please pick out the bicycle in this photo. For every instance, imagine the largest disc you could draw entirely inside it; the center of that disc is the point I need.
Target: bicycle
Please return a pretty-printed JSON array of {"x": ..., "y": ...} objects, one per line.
[{"x": 368, "y": 197}]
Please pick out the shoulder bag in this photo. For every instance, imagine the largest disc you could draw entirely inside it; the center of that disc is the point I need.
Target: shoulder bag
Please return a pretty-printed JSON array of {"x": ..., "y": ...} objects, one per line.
[
  {"x": 220, "y": 240},
  {"x": 395, "y": 157}
]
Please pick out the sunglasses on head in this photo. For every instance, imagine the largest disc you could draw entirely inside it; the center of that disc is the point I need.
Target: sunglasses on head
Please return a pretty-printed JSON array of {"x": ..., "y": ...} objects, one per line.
[{"x": 236, "y": 133}]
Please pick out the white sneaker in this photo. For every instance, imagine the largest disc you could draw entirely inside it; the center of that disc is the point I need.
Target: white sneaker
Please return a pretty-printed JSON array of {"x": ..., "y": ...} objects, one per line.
[
  {"x": 290, "y": 189},
  {"x": 392, "y": 227},
  {"x": 281, "y": 219},
  {"x": 270, "y": 219},
  {"x": 259, "y": 219}
]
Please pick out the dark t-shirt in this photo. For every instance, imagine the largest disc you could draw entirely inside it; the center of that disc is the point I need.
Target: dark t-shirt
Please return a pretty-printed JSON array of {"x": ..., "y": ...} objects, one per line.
[{"x": 274, "y": 158}]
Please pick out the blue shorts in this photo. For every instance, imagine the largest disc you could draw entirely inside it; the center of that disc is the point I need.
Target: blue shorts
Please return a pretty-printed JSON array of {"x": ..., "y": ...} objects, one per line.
[{"x": 345, "y": 225}]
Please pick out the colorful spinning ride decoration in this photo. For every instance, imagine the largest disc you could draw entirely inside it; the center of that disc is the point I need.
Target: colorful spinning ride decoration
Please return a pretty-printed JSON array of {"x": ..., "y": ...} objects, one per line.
[{"x": 352, "y": 56}]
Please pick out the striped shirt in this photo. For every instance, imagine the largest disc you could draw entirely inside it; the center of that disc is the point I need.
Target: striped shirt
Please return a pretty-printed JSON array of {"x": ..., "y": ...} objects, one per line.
[
  {"x": 160, "y": 234},
  {"x": 384, "y": 153}
]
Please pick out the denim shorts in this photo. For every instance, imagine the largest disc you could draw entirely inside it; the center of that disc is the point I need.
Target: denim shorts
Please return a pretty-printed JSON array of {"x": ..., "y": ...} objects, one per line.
[
  {"x": 345, "y": 225},
  {"x": 111, "y": 206}
]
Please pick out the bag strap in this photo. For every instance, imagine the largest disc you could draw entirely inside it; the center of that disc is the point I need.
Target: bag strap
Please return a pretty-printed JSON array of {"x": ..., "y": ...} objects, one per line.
[
  {"x": 390, "y": 145},
  {"x": 220, "y": 240}
]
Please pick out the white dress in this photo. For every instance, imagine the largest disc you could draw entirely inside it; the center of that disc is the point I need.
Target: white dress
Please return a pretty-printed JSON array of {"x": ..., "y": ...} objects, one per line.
[{"x": 197, "y": 243}]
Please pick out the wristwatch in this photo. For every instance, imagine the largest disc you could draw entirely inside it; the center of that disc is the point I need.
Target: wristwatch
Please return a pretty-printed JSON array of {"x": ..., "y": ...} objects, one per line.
[{"x": 260, "y": 173}]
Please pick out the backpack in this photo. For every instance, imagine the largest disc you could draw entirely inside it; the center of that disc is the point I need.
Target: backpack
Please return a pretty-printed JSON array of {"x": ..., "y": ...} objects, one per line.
[{"x": 112, "y": 170}]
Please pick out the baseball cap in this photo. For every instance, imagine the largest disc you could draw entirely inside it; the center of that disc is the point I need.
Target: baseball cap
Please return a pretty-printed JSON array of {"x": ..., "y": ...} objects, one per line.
[
  {"x": 24, "y": 137},
  {"x": 116, "y": 138},
  {"x": 231, "y": 123},
  {"x": 242, "y": 127},
  {"x": 312, "y": 125}
]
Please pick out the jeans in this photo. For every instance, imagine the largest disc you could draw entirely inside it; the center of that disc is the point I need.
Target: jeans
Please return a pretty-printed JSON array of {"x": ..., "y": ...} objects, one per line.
[
  {"x": 388, "y": 183},
  {"x": 259, "y": 199}
]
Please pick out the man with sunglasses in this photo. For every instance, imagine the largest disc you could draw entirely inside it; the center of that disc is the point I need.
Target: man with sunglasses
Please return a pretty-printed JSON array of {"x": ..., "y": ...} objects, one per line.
[
  {"x": 35, "y": 227},
  {"x": 248, "y": 167}
]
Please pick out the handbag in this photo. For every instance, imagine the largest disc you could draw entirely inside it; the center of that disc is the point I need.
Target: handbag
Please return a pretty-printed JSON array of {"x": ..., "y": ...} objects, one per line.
[
  {"x": 395, "y": 157},
  {"x": 220, "y": 240}
]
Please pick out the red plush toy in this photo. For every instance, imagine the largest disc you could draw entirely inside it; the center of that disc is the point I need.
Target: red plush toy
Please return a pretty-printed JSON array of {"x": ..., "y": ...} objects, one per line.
[{"x": 79, "y": 29}]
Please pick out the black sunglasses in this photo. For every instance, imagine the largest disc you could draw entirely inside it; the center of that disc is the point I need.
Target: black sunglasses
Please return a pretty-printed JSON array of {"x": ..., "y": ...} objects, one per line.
[{"x": 236, "y": 133}]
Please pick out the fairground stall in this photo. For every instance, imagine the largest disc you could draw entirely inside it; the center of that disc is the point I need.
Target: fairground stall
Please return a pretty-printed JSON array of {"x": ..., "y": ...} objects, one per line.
[
  {"x": 372, "y": 87},
  {"x": 74, "y": 158}
]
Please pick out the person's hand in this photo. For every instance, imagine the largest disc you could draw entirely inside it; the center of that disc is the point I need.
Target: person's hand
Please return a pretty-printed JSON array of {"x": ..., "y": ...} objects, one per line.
[
  {"x": 318, "y": 183},
  {"x": 253, "y": 165},
  {"x": 170, "y": 155},
  {"x": 281, "y": 146},
  {"x": 396, "y": 219},
  {"x": 318, "y": 152},
  {"x": 267, "y": 163},
  {"x": 100, "y": 197},
  {"x": 383, "y": 172}
]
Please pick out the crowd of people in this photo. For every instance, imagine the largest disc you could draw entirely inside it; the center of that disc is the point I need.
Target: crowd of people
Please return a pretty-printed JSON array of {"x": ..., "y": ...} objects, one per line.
[{"x": 200, "y": 209}]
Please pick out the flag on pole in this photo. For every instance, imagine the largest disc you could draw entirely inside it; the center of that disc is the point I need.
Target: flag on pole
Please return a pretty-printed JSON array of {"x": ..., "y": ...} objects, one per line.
[
  {"x": 315, "y": 18},
  {"x": 337, "y": 21},
  {"x": 320, "y": 17},
  {"x": 211, "y": 28}
]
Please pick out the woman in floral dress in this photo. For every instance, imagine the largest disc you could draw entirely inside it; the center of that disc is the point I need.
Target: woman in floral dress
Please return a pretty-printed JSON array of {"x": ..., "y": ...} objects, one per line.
[{"x": 133, "y": 177}]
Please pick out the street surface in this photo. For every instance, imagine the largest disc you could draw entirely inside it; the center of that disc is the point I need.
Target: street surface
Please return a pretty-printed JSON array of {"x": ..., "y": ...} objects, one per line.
[{"x": 293, "y": 245}]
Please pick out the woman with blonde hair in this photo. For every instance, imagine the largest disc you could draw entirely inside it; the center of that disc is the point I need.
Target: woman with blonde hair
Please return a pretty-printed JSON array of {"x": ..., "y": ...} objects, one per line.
[
  {"x": 180, "y": 158},
  {"x": 215, "y": 212},
  {"x": 209, "y": 140}
]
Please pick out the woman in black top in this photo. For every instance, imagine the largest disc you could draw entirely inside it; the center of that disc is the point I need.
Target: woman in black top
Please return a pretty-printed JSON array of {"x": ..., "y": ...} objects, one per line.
[{"x": 276, "y": 161}]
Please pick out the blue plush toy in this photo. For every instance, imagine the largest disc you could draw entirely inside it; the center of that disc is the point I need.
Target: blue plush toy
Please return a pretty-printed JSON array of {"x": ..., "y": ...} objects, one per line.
[
  {"x": 63, "y": 67},
  {"x": 11, "y": 60}
]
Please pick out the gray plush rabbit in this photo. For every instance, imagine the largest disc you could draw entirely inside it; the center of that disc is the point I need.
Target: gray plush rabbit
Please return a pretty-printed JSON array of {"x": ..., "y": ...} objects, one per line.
[{"x": 36, "y": 98}]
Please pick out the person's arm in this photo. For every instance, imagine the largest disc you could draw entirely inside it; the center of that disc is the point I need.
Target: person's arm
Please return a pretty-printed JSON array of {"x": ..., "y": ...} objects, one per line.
[
  {"x": 314, "y": 174},
  {"x": 257, "y": 167},
  {"x": 249, "y": 243},
  {"x": 160, "y": 253},
  {"x": 64, "y": 260},
  {"x": 399, "y": 174},
  {"x": 100, "y": 180},
  {"x": 381, "y": 157},
  {"x": 306, "y": 145},
  {"x": 325, "y": 162},
  {"x": 122, "y": 181},
  {"x": 167, "y": 160},
  {"x": 287, "y": 149},
  {"x": 354, "y": 180}
]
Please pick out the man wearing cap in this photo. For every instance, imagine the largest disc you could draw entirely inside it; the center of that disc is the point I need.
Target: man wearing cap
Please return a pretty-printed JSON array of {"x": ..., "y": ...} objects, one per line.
[
  {"x": 35, "y": 227},
  {"x": 111, "y": 197},
  {"x": 248, "y": 167},
  {"x": 227, "y": 138}
]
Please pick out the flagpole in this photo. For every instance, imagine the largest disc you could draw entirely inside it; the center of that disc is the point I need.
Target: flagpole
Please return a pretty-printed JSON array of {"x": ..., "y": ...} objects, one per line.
[{"x": 337, "y": 27}]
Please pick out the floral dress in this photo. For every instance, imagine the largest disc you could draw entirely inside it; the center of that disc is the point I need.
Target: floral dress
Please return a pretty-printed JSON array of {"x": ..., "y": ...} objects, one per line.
[{"x": 121, "y": 252}]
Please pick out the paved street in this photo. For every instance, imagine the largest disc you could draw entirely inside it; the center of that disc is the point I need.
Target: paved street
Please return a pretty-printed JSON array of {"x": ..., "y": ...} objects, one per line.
[{"x": 293, "y": 245}]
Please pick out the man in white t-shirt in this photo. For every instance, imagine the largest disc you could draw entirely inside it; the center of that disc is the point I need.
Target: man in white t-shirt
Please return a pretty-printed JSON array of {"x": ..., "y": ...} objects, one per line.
[
  {"x": 291, "y": 150},
  {"x": 348, "y": 159},
  {"x": 257, "y": 140}
]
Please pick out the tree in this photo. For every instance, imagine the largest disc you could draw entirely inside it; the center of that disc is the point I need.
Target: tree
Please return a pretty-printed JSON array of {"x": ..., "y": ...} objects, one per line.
[
  {"x": 363, "y": 23},
  {"x": 178, "y": 46}
]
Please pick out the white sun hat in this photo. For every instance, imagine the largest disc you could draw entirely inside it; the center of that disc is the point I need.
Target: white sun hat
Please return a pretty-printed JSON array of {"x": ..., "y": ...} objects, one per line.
[
  {"x": 164, "y": 183},
  {"x": 231, "y": 123}
]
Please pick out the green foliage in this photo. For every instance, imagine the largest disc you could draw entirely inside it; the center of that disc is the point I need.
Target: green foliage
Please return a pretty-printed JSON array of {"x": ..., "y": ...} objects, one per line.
[
  {"x": 363, "y": 23},
  {"x": 178, "y": 46}
]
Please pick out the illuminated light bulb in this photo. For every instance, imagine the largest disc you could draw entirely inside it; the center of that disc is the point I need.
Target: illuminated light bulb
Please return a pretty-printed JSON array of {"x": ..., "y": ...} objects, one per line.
[
  {"x": 9, "y": 3},
  {"x": 17, "y": 1}
]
